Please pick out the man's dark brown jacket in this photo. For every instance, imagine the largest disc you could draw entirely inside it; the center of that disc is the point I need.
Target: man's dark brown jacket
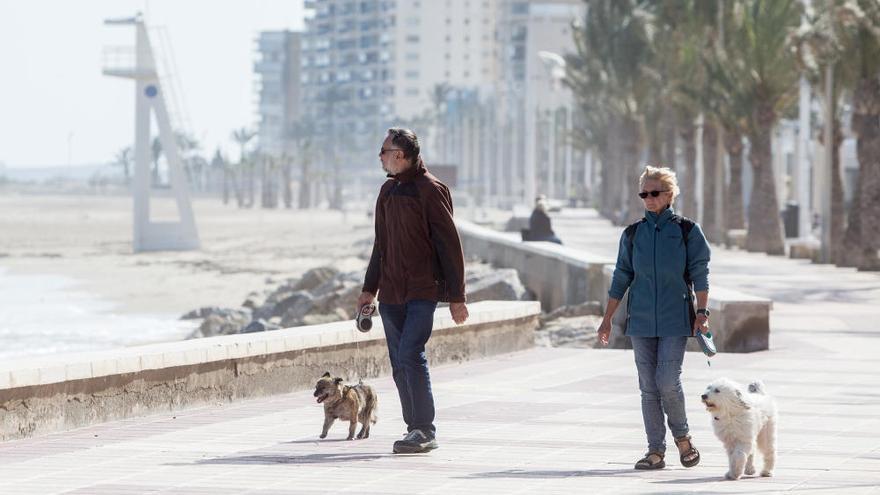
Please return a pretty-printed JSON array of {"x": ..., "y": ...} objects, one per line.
[{"x": 417, "y": 252}]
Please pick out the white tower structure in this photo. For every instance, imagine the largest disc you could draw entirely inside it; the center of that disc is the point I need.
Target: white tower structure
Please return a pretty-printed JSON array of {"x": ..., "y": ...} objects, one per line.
[{"x": 150, "y": 97}]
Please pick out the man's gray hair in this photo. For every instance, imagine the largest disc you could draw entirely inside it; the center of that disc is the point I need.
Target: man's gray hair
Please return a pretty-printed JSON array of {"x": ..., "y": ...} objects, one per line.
[{"x": 407, "y": 141}]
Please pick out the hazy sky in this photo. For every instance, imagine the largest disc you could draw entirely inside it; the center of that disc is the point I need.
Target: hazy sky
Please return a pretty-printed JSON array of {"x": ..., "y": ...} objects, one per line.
[{"x": 52, "y": 92}]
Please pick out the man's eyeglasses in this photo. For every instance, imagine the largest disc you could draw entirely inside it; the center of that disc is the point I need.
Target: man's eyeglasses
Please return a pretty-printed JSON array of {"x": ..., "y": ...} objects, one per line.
[
  {"x": 654, "y": 194},
  {"x": 385, "y": 150}
]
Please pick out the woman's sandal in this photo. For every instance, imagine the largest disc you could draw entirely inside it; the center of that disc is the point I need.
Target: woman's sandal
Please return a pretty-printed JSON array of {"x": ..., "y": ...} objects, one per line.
[
  {"x": 691, "y": 456},
  {"x": 652, "y": 460}
]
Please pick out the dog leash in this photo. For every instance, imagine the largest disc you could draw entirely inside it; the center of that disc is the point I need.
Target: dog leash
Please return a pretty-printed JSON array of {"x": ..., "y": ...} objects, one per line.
[{"x": 364, "y": 323}]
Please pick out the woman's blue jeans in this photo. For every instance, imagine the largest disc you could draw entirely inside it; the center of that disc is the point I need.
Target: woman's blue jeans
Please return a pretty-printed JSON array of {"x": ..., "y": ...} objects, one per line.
[{"x": 658, "y": 360}]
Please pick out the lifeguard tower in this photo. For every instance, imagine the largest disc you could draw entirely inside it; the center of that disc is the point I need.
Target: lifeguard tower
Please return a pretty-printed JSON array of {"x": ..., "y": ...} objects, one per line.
[{"x": 138, "y": 63}]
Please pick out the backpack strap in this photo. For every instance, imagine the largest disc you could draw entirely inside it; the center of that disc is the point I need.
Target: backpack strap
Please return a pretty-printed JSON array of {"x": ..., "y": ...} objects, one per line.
[
  {"x": 686, "y": 225},
  {"x": 630, "y": 232}
]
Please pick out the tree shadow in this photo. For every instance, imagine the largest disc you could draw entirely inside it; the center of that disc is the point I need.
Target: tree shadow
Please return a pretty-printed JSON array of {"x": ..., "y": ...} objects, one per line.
[
  {"x": 269, "y": 459},
  {"x": 686, "y": 481},
  {"x": 526, "y": 474},
  {"x": 319, "y": 440}
]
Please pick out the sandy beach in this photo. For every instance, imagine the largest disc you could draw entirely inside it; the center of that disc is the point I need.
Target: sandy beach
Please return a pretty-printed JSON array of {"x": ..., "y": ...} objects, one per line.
[{"x": 81, "y": 247}]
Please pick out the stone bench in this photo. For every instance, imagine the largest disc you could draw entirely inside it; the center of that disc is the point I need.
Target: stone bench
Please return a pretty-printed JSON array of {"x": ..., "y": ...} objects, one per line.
[
  {"x": 739, "y": 322},
  {"x": 51, "y": 393},
  {"x": 804, "y": 249}
]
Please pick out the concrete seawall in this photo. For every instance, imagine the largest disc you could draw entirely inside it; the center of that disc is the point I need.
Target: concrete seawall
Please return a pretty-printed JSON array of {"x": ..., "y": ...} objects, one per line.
[
  {"x": 46, "y": 394},
  {"x": 560, "y": 276}
]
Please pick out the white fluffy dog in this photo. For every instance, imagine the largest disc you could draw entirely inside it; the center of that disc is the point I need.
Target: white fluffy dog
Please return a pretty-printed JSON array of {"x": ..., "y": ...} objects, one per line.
[{"x": 743, "y": 420}]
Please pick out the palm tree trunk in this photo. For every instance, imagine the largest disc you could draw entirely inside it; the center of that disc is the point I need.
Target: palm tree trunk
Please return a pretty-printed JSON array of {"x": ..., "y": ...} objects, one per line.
[
  {"x": 631, "y": 148},
  {"x": 688, "y": 135},
  {"x": 765, "y": 228},
  {"x": 710, "y": 156},
  {"x": 852, "y": 238},
  {"x": 734, "y": 144},
  {"x": 609, "y": 195},
  {"x": 866, "y": 124},
  {"x": 655, "y": 144},
  {"x": 669, "y": 144},
  {"x": 838, "y": 213},
  {"x": 305, "y": 200},
  {"x": 286, "y": 177}
]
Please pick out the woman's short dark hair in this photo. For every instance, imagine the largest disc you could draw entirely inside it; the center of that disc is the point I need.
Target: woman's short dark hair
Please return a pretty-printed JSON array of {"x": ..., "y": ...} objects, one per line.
[{"x": 407, "y": 141}]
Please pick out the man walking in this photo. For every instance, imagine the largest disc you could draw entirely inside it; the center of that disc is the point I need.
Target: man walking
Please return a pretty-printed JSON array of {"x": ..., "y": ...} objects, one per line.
[{"x": 417, "y": 261}]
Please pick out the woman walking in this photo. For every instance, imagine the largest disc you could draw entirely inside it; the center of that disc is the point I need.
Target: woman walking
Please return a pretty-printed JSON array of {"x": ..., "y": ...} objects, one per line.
[{"x": 661, "y": 260}]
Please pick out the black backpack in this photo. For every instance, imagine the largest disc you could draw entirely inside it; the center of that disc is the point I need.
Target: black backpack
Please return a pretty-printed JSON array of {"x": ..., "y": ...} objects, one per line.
[{"x": 684, "y": 223}]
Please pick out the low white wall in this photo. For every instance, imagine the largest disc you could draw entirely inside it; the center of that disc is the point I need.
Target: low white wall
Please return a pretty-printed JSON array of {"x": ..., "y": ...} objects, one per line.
[{"x": 51, "y": 393}]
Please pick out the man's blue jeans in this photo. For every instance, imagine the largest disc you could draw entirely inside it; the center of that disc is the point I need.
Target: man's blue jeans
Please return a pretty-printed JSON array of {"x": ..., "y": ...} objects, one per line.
[
  {"x": 407, "y": 329},
  {"x": 658, "y": 360}
]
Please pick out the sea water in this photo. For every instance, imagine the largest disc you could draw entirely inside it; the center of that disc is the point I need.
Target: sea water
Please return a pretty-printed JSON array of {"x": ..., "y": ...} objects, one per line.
[{"x": 48, "y": 314}]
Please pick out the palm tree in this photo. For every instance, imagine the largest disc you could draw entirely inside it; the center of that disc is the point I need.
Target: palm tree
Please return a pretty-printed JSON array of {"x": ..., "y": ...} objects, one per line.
[
  {"x": 817, "y": 47},
  {"x": 439, "y": 93},
  {"x": 187, "y": 146},
  {"x": 156, "y": 153},
  {"x": 245, "y": 173},
  {"x": 123, "y": 159},
  {"x": 761, "y": 73},
  {"x": 858, "y": 22},
  {"x": 220, "y": 167},
  {"x": 684, "y": 29},
  {"x": 845, "y": 35},
  {"x": 614, "y": 46}
]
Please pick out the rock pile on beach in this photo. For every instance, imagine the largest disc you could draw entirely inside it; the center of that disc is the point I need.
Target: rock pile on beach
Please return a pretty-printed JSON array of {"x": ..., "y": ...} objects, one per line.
[
  {"x": 570, "y": 326},
  {"x": 324, "y": 295}
]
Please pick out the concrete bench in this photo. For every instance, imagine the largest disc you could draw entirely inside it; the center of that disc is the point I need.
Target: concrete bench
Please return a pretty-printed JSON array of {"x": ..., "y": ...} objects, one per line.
[
  {"x": 736, "y": 238},
  {"x": 739, "y": 322},
  {"x": 51, "y": 393},
  {"x": 805, "y": 249}
]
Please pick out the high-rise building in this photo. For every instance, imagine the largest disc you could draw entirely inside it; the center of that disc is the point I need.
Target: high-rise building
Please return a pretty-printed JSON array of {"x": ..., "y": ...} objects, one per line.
[
  {"x": 278, "y": 87},
  {"x": 535, "y": 111},
  {"x": 368, "y": 64}
]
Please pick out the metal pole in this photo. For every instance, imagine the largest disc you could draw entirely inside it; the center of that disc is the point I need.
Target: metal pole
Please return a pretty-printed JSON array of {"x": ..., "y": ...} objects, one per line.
[
  {"x": 551, "y": 156},
  {"x": 567, "y": 193}
]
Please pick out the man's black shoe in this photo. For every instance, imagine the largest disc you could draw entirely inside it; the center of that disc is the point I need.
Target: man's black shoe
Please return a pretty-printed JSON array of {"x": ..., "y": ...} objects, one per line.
[{"x": 415, "y": 442}]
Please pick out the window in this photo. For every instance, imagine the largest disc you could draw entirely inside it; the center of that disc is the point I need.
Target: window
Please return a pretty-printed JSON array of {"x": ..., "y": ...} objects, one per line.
[
  {"x": 412, "y": 38},
  {"x": 412, "y": 74},
  {"x": 369, "y": 41},
  {"x": 412, "y": 56},
  {"x": 412, "y": 92},
  {"x": 520, "y": 8}
]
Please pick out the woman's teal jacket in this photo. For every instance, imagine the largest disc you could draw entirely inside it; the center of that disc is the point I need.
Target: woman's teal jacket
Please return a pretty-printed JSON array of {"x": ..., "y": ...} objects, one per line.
[{"x": 655, "y": 272}]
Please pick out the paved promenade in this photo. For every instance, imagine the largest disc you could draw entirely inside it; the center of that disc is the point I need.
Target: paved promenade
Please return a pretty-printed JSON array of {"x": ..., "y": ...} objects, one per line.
[{"x": 540, "y": 421}]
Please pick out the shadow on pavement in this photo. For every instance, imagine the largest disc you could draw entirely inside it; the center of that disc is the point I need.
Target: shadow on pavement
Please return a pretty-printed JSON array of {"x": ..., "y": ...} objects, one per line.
[
  {"x": 520, "y": 473},
  {"x": 287, "y": 459}
]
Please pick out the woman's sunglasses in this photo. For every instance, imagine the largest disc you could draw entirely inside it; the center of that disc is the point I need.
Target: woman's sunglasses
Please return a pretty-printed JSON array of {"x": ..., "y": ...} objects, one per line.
[{"x": 654, "y": 194}]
